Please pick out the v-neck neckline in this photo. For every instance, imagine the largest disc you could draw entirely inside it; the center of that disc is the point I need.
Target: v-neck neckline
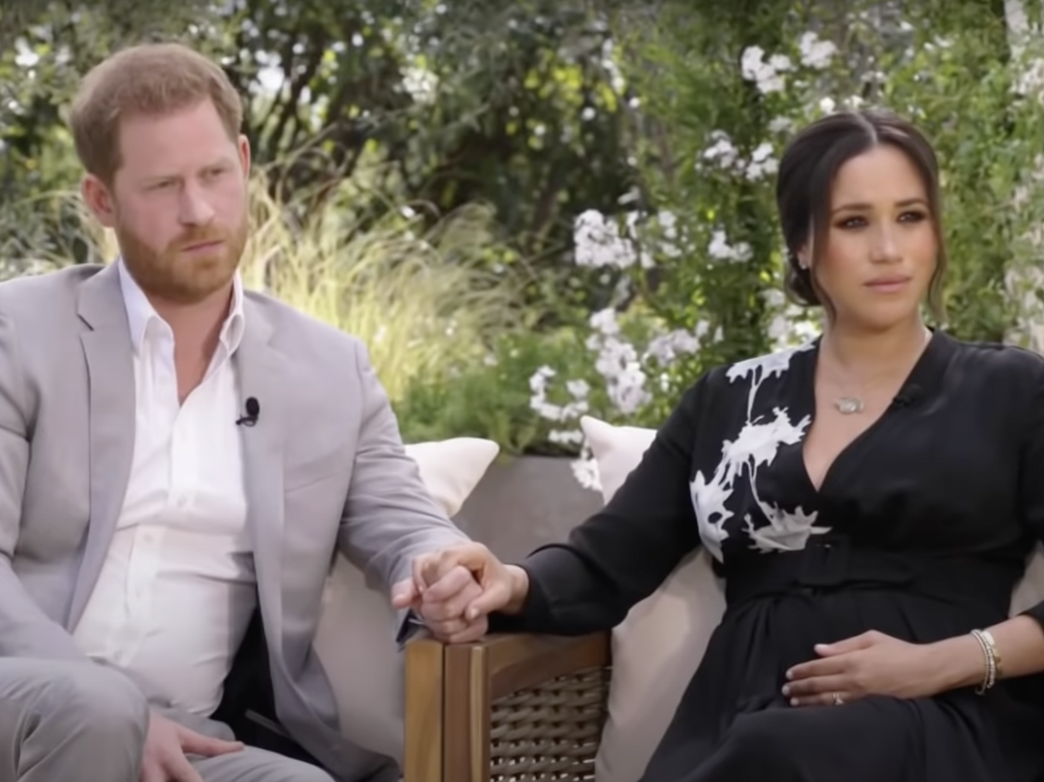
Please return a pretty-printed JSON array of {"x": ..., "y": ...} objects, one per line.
[{"x": 919, "y": 385}]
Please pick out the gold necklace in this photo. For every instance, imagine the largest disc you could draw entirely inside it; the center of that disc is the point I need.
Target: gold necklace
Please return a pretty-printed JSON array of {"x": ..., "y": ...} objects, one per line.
[{"x": 849, "y": 405}]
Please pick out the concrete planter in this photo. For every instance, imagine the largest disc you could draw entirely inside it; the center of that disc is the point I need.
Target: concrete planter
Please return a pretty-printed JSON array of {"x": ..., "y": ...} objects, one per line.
[{"x": 525, "y": 502}]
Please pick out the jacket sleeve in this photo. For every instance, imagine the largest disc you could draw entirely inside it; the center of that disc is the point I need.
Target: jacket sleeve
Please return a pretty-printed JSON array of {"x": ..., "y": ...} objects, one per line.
[
  {"x": 25, "y": 630},
  {"x": 389, "y": 515}
]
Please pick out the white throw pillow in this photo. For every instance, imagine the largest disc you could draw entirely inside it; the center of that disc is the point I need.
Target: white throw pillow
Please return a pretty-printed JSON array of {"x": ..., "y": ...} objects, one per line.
[
  {"x": 355, "y": 641},
  {"x": 658, "y": 647}
]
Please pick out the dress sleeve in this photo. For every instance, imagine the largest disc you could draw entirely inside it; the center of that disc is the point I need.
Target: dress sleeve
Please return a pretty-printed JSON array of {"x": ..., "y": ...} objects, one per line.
[
  {"x": 623, "y": 553},
  {"x": 1031, "y": 468}
]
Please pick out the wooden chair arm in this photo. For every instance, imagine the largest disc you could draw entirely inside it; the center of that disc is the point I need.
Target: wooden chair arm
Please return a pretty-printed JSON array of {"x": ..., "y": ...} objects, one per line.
[
  {"x": 424, "y": 712},
  {"x": 536, "y": 704}
]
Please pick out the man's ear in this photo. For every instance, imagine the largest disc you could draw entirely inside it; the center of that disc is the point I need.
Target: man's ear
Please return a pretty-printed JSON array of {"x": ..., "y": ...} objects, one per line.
[
  {"x": 98, "y": 198},
  {"x": 243, "y": 146}
]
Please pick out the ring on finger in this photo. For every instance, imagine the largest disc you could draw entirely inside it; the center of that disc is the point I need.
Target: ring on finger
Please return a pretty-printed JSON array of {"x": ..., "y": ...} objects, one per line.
[{"x": 838, "y": 701}]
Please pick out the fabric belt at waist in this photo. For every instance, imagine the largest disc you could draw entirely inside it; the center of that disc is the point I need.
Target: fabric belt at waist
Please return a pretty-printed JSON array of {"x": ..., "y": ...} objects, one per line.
[{"x": 834, "y": 564}]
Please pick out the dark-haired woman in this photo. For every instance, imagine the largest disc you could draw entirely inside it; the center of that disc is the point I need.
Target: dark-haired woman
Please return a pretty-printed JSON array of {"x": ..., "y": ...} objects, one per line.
[{"x": 870, "y": 500}]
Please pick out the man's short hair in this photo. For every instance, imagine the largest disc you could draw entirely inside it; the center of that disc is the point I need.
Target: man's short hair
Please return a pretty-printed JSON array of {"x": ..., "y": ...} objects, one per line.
[{"x": 150, "y": 79}]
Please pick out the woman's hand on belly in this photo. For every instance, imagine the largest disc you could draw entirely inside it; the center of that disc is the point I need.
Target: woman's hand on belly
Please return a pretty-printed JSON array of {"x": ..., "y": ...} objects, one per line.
[{"x": 870, "y": 664}]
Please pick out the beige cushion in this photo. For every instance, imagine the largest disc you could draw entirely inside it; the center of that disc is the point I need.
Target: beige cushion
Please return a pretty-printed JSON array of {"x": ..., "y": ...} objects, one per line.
[
  {"x": 355, "y": 641},
  {"x": 658, "y": 647}
]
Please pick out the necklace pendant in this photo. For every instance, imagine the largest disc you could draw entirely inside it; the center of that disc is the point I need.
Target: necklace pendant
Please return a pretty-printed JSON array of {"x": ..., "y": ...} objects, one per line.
[{"x": 847, "y": 405}]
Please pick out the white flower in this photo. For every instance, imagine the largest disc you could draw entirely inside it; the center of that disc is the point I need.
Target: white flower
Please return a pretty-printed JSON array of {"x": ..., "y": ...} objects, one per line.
[
  {"x": 566, "y": 436},
  {"x": 538, "y": 382},
  {"x": 722, "y": 150},
  {"x": 719, "y": 249},
  {"x": 668, "y": 222},
  {"x": 420, "y": 83},
  {"x": 815, "y": 53},
  {"x": 790, "y": 325},
  {"x": 781, "y": 125},
  {"x": 778, "y": 330},
  {"x": 604, "y": 321},
  {"x": 773, "y": 83},
  {"x": 26, "y": 57},
  {"x": 578, "y": 388},
  {"x": 585, "y": 470},
  {"x": 538, "y": 402},
  {"x": 1031, "y": 80},
  {"x": 617, "y": 362},
  {"x": 667, "y": 347},
  {"x": 766, "y": 75},
  {"x": 762, "y": 163},
  {"x": 599, "y": 244},
  {"x": 751, "y": 62},
  {"x": 774, "y": 297}
]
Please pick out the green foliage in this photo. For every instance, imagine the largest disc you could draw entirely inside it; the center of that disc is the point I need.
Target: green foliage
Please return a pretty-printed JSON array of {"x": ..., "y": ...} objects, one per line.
[
  {"x": 416, "y": 291},
  {"x": 507, "y": 104},
  {"x": 610, "y": 165},
  {"x": 491, "y": 398},
  {"x": 713, "y": 94}
]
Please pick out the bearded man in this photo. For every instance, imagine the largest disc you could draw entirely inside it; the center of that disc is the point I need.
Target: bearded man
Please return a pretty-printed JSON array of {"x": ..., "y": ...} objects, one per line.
[{"x": 180, "y": 461}]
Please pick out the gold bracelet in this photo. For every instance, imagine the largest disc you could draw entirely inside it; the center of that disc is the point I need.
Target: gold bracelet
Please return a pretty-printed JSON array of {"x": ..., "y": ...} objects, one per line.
[
  {"x": 998, "y": 669},
  {"x": 989, "y": 650}
]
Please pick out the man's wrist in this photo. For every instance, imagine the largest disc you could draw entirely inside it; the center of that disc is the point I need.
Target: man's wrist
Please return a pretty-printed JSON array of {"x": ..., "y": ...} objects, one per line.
[{"x": 518, "y": 580}]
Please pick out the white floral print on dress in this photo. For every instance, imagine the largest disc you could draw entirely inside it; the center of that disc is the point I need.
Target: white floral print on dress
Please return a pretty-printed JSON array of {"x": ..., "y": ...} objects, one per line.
[{"x": 756, "y": 445}]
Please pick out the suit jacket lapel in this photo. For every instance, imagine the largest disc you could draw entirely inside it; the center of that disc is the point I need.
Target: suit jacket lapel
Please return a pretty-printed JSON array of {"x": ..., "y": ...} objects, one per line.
[
  {"x": 110, "y": 377},
  {"x": 260, "y": 372}
]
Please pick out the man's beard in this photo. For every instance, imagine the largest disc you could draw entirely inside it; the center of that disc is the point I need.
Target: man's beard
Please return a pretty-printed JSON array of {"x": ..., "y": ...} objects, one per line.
[{"x": 183, "y": 279}]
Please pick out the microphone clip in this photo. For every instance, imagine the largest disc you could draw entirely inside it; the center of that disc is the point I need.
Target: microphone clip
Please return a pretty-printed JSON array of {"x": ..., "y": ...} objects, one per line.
[{"x": 253, "y": 412}]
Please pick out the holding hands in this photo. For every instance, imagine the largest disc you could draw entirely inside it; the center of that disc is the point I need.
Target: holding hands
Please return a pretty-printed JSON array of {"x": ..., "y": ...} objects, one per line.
[{"x": 454, "y": 590}]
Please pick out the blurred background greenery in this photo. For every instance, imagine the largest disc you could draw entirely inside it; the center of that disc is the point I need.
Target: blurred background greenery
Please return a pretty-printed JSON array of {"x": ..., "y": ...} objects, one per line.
[{"x": 533, "y": 210}]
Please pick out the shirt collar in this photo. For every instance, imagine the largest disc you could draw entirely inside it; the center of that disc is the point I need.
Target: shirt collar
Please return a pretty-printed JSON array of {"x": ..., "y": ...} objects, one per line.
[{"x": 140, "y": 312}]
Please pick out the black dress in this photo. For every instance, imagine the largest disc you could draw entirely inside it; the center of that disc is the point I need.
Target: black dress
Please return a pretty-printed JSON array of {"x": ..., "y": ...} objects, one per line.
[{"x": 920, "y": 530}]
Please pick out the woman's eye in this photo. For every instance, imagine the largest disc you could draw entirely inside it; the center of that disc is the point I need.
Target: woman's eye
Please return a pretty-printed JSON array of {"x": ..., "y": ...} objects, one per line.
[{"x": 852, "y": 222}]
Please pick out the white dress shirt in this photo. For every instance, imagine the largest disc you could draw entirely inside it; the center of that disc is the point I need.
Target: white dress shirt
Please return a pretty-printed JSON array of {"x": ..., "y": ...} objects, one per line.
[{"x": 177, "y": 588}]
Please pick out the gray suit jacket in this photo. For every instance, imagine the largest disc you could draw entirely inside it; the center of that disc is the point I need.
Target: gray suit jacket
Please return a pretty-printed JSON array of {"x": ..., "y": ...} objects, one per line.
[{"x": 325, "y": 470}]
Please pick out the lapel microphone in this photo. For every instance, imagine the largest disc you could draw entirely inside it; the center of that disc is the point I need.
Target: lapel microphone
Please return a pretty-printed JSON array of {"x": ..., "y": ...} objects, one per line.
[
  {"x": 253, "y": 412},
  {"x": 905, "y": 398}
]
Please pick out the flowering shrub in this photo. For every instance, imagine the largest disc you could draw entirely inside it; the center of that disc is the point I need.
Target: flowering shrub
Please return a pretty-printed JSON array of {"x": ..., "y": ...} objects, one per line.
[
  {"x": 693, "y": 266},
  {"x": 688, "y": 274}
]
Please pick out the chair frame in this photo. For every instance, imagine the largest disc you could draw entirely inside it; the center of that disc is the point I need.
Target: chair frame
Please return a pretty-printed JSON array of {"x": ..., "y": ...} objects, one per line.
[{"x": 475, "y": 710}]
